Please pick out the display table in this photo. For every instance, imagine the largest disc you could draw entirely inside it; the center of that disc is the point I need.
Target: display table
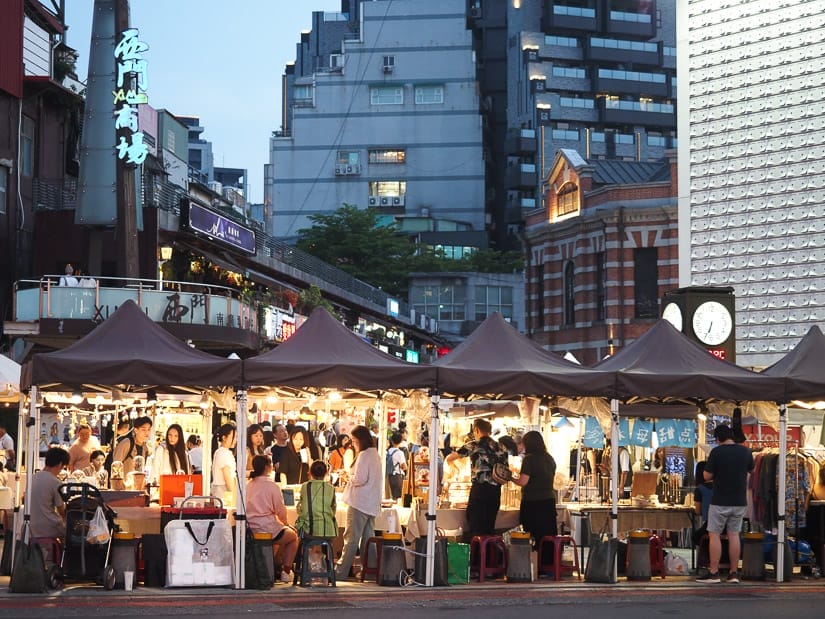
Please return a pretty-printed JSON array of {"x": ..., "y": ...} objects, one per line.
[{"x": 402, "y": 516}]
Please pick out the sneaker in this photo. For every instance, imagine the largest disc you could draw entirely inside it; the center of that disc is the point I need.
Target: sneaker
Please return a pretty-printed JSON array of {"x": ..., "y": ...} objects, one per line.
[
  {"x": 709, "y": 578},
  {"x": 733, "y": 577},
  {"x": 286, "y": 577}
]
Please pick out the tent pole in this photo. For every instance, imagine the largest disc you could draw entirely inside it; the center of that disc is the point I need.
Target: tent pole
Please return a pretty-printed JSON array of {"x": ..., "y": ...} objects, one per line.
[
  {"x": 22, "y": 417},
  {"x": 381, "y": 440},
  {"x": 783, "y": 467},
  {"x": 240, "y": 492},
  {"x": 433, "y": 494},
  {"x": 206, "y": 450},
  {"x": 578, "y": 488},
  {"x": 614, "y": 466}
]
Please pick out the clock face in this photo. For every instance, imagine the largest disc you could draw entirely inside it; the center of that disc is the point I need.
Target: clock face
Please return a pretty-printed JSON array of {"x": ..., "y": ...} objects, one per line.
[
  {"x": 673, "y": 314},
  {"x": 712, "y": 323}
]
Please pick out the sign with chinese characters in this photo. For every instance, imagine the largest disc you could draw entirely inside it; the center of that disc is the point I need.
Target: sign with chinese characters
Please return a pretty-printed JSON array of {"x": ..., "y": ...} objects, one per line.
[
  {"x": 279, "y": 325},
  {"x": 131, "y": 83},
  {"x": 218, "y": 227}
]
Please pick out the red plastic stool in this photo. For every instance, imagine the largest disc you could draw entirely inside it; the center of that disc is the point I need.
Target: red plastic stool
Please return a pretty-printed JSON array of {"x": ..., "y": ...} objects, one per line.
[
  {"x": 366, "y": 570},
  {"x": 52, "y": 549},
  {"x": 491, "y": 555},
  {"x": 552, "y": 564},
  {"x": 657, "y": 555}
]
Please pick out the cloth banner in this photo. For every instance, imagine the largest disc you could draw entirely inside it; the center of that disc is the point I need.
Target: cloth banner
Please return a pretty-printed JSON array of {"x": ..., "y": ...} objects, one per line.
[
  {"x": 624, "y": 432},
  {"x": 686, "y": 436},
  {"x": 642, "y": 431},
  {"x": 668, "y": 432},
  {"x": 593, "y": 435}
]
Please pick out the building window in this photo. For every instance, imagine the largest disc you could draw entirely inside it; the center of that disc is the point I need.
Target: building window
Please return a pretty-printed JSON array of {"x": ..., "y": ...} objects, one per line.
[
  {"x": 303, "y": 93},
  {"x": 455, "y": 252},
  {"x": 646, "y": 281},
  {"x": 568, "y": 72},
  {"x": 386, "y": 95},
  {"x": 566, "y": 134},
  {"x": 574, "y": 11},
  {"x": 639, "y": 18},
  {"x": 587, "y": 104},
  {"x": 624, "y": 138},
  {"x": 656, "y": 140},
  {"x": 425, "y": 95},
  {"x": 569, "y": 294},
  {"x": 388, "y": 189},
  {"x": 348, "y": 157},
  {"x": 636, "y": 46},
  {"x": 601, "y": 285},
  {"x": 491, "y": 299},
  {"x": 388, "y": 156},
  {"x": 4, "y": 189},
  {"x": 549, "y": 39},
  {"x": 568, "y": 199},
  {"x": 389, "y": 62},
  {"x": 445, "y": 302},
  {"x": 27, "y": 147}
]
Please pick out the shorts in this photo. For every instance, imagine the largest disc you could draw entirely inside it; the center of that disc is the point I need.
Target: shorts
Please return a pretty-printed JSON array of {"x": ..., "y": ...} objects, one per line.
[{"x": 723, "y": 518}]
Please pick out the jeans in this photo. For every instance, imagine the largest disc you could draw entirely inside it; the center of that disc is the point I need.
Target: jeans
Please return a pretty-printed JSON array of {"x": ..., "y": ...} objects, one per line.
[{"x": 360, "y": 527}]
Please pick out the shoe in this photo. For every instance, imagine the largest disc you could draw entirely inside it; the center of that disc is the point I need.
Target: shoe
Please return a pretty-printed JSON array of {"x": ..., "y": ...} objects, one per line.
[
  {"x": 710, "y": 578},
  {"x": 733, "y": 577},
  {"x": 286, "y": 577}
]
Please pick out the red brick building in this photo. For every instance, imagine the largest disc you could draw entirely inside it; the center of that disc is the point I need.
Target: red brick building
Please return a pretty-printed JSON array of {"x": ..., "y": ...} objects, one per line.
[{"x": 601, "y": 253}]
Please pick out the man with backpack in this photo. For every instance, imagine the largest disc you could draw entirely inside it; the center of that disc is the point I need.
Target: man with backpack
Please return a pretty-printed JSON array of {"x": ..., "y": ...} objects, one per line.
[
  {"x": 135, "y": 444},
  {"x": 396, "y": 466}
]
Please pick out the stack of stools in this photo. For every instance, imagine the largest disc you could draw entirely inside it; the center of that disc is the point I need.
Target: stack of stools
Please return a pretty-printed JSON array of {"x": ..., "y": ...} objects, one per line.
[
  {"x": 657, "y": 555},
  {"x": 489, "y": 553},
  {"x": 393, "y": 560},
  {"x": 519, "y": 563},
  {"x": 753, "y": 556},
  {"x": 551, "y": 548},
  {"x": 372, "y": 570},
  {"x": 303, "y": 571}
]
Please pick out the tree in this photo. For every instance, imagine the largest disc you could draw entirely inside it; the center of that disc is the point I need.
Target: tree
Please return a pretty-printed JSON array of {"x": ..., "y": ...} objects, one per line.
[
  {"x": 311, "y": 298},
  {"x": 359, "y": 243}
]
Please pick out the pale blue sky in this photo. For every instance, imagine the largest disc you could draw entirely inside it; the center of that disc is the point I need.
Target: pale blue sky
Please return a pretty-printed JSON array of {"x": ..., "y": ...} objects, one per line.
[{"x": 216, "y": 59}]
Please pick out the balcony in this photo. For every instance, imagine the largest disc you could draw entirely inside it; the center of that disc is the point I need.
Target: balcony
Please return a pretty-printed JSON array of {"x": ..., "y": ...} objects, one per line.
[
  {"x": 521, "y": 142},
  {"x": 630, "y": 19},
  {"x": 581, "y": 17},
  {"x": 522, "y": 176},
  {"x": 637, "y": 113},
  {"x": 212, "y": 316},
  {"x": 631, "y": 83},
  {"x": 55, "y": 194},
  {"x": 600, "y": 49}
]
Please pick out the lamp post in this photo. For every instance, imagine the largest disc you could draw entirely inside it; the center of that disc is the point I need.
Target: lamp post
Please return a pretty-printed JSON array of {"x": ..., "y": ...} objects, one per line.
[{"x": 165, "y": 256}]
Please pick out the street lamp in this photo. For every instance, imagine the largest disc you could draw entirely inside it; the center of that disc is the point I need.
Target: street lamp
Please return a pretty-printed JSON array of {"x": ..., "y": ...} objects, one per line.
[{"x": 165, "y": 256}]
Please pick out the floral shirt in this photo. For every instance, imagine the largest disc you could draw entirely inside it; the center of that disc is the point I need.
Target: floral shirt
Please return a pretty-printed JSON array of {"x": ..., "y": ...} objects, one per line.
[{"x": 483, "y": 454}]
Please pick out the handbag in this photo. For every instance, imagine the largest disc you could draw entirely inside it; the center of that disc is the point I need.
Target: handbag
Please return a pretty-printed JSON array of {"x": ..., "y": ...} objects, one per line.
[
  {"x": 29, "y": 572},
  {"x": 501, "y": 473},
  {"x": 601, "y": 562}
]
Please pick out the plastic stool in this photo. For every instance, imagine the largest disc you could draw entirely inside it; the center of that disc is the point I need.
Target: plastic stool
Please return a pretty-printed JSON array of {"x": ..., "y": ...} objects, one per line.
[
  {"x": 554, "y": 566},
  {"x": 303, "y": 574},
  {"x": 491, "y": 554},
  {"x": 52, "y": 549},
  {"x": 366, "y": 569},
  {"x": 657, "y": 555}
]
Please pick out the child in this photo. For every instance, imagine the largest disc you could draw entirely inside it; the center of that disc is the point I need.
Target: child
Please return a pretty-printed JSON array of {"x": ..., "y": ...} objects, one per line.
[{"x": 316, "y": 512}]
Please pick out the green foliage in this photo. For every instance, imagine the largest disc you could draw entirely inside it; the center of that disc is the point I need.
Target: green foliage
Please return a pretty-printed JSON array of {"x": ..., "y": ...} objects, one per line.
[{"x": 311, "y": 298}]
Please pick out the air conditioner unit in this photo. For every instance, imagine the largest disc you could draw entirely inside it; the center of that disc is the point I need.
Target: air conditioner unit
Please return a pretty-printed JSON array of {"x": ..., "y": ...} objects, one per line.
[
  {"x": 398, "y": 201},
  {"x": 385, "y": 201},
  {"x": 372, "y": 201},
  {"x": 387, "y": 68},
  {"x": 336, "y": 61},
  {"x": 340, "y": 169}
]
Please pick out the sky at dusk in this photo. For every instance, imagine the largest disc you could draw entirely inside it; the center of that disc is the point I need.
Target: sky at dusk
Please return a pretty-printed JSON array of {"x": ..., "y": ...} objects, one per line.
[{"x": 221, "y": 61}]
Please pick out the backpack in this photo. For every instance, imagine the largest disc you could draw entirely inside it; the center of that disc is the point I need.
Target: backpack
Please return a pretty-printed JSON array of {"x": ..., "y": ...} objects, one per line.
[
  {"x": 390, "y": 464},
  {"x": 107, "y": 464}
]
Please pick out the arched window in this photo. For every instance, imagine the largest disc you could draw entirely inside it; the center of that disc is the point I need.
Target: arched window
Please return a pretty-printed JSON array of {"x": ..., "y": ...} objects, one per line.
[
  {"x": 569, "y": 298},
  {"x": 568, "y": 200}
]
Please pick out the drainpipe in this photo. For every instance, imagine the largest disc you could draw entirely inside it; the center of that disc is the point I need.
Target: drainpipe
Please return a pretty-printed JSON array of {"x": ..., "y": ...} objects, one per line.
[{"x": 620, "y": 232}]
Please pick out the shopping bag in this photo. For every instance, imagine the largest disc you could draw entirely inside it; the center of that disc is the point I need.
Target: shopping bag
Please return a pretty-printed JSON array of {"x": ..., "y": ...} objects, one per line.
[
  {"x": 256, "y": 570},
  {"x": 98, "y": 528},
  {"x": 29, "y": 572},
  {"x": 601, "y": 562},
  {"x": 200, "y": 553},
  {"x": 458, "y": 563}
]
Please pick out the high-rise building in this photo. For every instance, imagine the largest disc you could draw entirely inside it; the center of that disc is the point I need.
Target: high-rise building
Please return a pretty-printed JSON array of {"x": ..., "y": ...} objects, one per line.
[
  {"x": 594, "y": 76},
  {"x": 201, "y": 160},
  {"x": 752, "y": 176},
  {"x": 382, "y": 110}
]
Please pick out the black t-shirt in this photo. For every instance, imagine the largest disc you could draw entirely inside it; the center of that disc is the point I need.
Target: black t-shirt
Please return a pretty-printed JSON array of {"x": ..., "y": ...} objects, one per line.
[
  {"x": 542, "y": 470},
  {"x": 730, "y": 464}
]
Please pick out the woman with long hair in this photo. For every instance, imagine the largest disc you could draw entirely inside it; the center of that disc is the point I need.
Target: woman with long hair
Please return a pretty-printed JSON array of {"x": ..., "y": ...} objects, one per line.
[
  {"x": 254, "y": 444},
  {"x": 295, "y": 459},
  {"x": 538, "y": 498},
  {"x": 266, "y": 513},
  {"x": 343, "y": 455},
  {"x": 224, "y": 466},
  {"x": 170, "y": 456},
  {"x": 362, "y": 495}
]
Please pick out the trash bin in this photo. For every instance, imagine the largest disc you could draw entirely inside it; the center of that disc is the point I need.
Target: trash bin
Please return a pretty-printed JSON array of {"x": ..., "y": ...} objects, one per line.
[
  {"x": 266, "y": 542},
  {"x": 393, "y": 561},
  {"x": 519, "y": 560},
  {"x": 753, "y": 556},
  {"x": 123, "y": 556},
  {"x": 638, "y": 551}
]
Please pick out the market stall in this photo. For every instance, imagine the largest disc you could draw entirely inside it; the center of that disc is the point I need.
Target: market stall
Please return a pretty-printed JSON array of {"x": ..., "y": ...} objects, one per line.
[{"x": 127, "y": 353}]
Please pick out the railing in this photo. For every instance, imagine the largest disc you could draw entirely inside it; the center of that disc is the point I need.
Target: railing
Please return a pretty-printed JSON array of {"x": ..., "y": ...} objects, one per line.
[
  {"x": 163, "y": 301},
  {"x": 55, "y": 194}
]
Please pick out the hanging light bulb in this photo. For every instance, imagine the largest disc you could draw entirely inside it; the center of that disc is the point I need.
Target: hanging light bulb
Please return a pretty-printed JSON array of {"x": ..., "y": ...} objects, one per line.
[
  {"x": 204, "y": 401},
  {"x": 104, "y": 421},
  {"x": 151, "y": 397},
  {"x": 77, "y": 395},
  {"x": 133, "y": 414}
]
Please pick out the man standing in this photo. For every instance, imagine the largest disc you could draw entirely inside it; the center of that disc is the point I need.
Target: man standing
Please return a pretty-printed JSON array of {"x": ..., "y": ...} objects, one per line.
[
  {"x": 131, "y": 446},
  {"x": 485, "y": 494},
  {"x": 7, "y": 445},
  {"x": 281, "y": 440},
  {"x": 727, "y": 466},
  {"x": 82, "y": 448}
]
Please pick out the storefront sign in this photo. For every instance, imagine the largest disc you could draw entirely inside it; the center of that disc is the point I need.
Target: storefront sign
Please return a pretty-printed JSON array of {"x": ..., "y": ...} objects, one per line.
[
  {"x": 280, "y": 325},
  {"x": 769, "y": 435},
  {"x": 132, "y": 83},
  {"x": 220, "y": 228}
]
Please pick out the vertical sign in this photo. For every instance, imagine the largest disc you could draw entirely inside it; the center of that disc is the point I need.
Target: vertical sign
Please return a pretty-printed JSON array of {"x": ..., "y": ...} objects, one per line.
[{"x": 132, "y": 83}]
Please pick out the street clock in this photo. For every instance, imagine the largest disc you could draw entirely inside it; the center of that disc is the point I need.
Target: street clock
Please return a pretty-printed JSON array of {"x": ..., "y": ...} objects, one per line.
[{"x": 706, "y": 315}]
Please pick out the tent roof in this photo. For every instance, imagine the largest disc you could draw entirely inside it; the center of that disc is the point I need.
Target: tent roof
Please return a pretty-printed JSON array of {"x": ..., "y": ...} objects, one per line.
[
  {"x": 497, "y": 359},
  {"x": 664, "y": 363},
  {"x": 9, "y": 372},
  {"x": 130, "y": 349},
  {"x": 803, "y": 368},
  {"x": 324, "y": 353}
]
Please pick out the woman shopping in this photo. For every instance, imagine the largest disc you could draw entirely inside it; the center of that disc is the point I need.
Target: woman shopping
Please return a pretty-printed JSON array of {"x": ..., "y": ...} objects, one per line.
[
  {"x": 224, "y": 466},
  {"x": 170, "y": 457},
  {"x": 362, "y": 496},
  {"x": 538, "y": 498},
  {"x": 266, "y": 513},
  {"x": 254, "y": 444},
  {"x": 295, "y": 459}
]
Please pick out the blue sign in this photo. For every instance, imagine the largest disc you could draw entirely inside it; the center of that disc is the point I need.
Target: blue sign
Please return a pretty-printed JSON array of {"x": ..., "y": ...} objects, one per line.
[
  {"x": 593, "y": 435},
  {"x": 220, "y": 228},
  {"x": 642, "y": 431}
]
